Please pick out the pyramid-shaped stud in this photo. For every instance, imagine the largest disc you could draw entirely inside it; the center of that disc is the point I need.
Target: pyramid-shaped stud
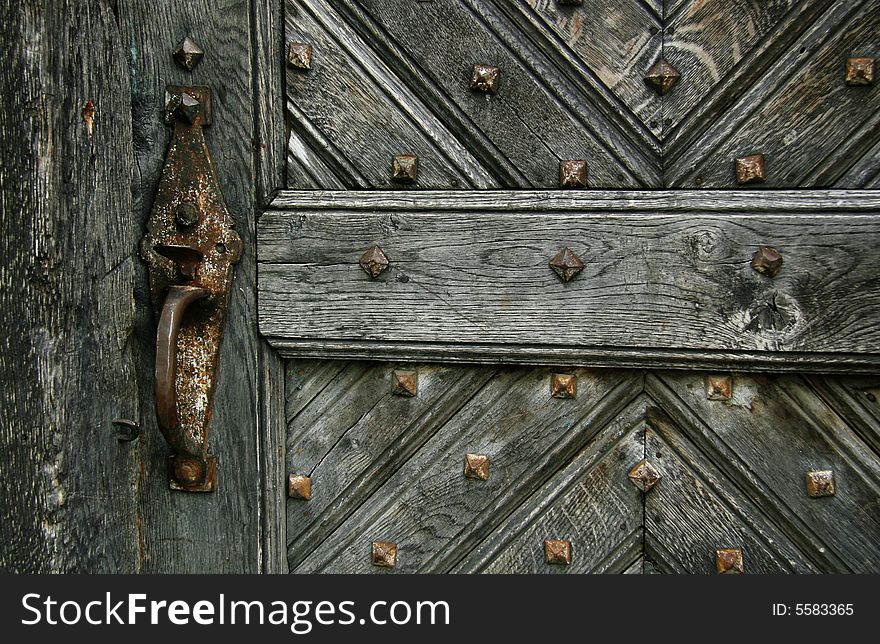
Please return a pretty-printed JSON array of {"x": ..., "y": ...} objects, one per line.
[
  {"x": 299, "y": 55},
  {"x": 188, "y": 53},
  {"x": 750, "y": 169},
  {"x": 299, "y": 486},
  {"x": 476, "y": 466},
  {"x": 404, "y": 383},
  {"x": 374, "y": 261},
  {"x": 729, "y": 561},
  {"x": 662, "y": 76},
  {"x": 563, "y": 385},
  {"x": 405, "y": 168},
  {"x": 573, "y": 173},
  {"x": 557, "y": 552},
  {"x": 860, "y": 71},
  {"x": 187, "y": 109},
  {"x": 485, "y": 78},
  {"x": 566, "y": 264},
  {"x": 718, "y": 387},
  {"x": 820, "y": 483},
  {"x": 644, "y": 475},
  {"x": 384, "y": 554}
]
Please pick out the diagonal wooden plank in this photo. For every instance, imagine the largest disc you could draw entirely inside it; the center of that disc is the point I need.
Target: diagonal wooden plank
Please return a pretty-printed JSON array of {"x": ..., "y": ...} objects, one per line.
[
  {"x": 589, "y": 502},
  {"x": 802, "y": 117},
  {"x": 855, "y": 400},
  {"x": 364, "y": 455},
  {"x": 771, "y": 433},
  {"x": 433, "y": 512},
  {"x": 694, "y": 509},
  {"x": 362, "y": 109}
]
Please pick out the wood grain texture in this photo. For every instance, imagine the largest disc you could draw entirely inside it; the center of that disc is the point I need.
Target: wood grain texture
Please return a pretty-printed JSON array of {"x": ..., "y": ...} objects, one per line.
[
  {"x": 220, "y": 532},
  {"x": 67, "y": 263},
  {"x": 654, "y": 281},
  {"x": 433, "y": 512},
  {"x": 543, "y": 112},
  {"x": 809, "y": 125}
]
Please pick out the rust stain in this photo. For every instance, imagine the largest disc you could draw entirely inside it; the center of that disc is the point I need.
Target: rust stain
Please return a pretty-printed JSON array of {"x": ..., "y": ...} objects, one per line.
[{"x": 88, "y": 114}]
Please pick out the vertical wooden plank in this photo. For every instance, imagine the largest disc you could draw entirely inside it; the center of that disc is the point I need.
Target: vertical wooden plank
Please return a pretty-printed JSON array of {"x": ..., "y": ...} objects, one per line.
[
  {"x": 218, "y": 532},
  {"x": 67, "y": 247}
]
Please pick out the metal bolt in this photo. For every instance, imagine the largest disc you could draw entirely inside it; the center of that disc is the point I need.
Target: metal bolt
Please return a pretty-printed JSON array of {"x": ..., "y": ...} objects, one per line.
[
  {"x": 566, "y": 264},
  {"x": 186, "y": 215},
  {"x": 126, "y": 430},
  {"x": 187, "y": 108},
  {"x": 729, "y": 561},
  {"x": 374, "y": 261},
  {"x": 662, "y": 76},
  {"x": 563, "y": 385},
  {"x": 404, "y": 383},
  {"x": 384, "y": 554},
  {"x": 476, "y": 466},
  {"x": 485, "y": 78},
  {"x": 750, "y": 169},
  {"x": 188, "y": 53},
  {"x": 299, "y": 55},
  {"x": 767, "y": 261},
  {"x": 860, "y": 71},
  {"x": 820, "y": 483},
  {"x": 405, "y": 168},
  {"x": 299, "y": 486},
  {"x": 573, "y": 173},
  {"x": 188, "y": 470},
  {"x": 644, "y": 475},
  {"x": 557, "y": 552},
  {"x": 719, "y": 387}
]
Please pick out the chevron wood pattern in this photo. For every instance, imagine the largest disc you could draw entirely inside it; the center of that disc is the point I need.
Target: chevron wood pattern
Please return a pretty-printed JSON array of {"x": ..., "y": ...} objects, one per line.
[
  {"x": 391, "y": 77},
  {"x": 390, "y": 468}
]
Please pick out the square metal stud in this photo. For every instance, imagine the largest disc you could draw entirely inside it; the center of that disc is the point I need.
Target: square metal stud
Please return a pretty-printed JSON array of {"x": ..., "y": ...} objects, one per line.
[
  {"x": 820, "y": 483},
  {"x": 299, "y": 486},
  {"x": 299, "y": 55},
  {"x": 384, "y": 554},
  {"x": 476, "y": 466},
  {"x": 374, "y": 261},
  {"x": 644, "y": 475},
  {"x": 188, "y": 53},
  {"x": 557, "y": 552},
  {"x": 719, "y": 387},
  {"x": 573, "y": 173},
  {"x": 405, "y": 383},
  {"x": 566, "y": 264},
  {"x": 485, "y": 78},
  {"x": 563, "y": 385},
  {"x": 729, "y": 561},
  {"x": 750, "y": 169},
  {"x": 860, "y": 71},
  {"x": 405, "y": 168}
]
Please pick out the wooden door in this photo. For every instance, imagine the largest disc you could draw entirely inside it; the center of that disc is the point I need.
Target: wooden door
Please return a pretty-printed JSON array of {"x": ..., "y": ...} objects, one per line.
[{"x": 412, "y": 407}]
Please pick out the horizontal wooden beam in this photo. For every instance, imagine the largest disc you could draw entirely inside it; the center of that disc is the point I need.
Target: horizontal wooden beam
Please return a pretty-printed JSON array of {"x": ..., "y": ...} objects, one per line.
[{"x": 667, "y": 279}]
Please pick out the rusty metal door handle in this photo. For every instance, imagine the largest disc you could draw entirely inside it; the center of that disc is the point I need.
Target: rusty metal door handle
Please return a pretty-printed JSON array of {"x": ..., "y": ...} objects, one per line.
[{"x": 190, "y": 248}]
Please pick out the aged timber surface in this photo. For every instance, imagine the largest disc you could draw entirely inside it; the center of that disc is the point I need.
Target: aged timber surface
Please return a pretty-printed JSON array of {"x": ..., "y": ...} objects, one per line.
[
  {"x": 663, "y": 272},
  {"x": 67, "y": 265}
]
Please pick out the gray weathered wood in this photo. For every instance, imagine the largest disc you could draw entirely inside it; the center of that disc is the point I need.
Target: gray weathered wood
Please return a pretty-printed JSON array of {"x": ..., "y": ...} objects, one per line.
[
  {"x": 67, "y": 264},
  {"x": 809, "y": 125},
  {"x": 674, "y": 278}
]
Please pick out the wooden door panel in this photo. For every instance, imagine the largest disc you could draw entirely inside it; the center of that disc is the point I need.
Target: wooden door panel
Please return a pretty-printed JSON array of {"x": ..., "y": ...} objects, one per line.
[
  {"x": 787, "y": 100},
  {"x": 390, "y": 468}
]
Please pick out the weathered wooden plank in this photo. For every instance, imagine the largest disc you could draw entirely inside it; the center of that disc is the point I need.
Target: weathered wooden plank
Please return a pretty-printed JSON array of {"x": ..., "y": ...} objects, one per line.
[
  {"x": 766, "y": 438},
  {"x": 693, "y": 510},
  {"x": 809, "y": 125},
  {"x": 67, "y": 266},
  {"x": 271, "y": 395},
  {"x": 855, "y": 400},
  {"x": 652, "y": 281},
  {"x": 367, "y": 113},
  {"x": 594, "y": 201},
  {"x": 589, "y": 502},
  {"x": 434, "y": 513},
  {"x": 357, "y": 434},
  {"x": 219, "y": 532},
  {"x": 434, "y": 49}
]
